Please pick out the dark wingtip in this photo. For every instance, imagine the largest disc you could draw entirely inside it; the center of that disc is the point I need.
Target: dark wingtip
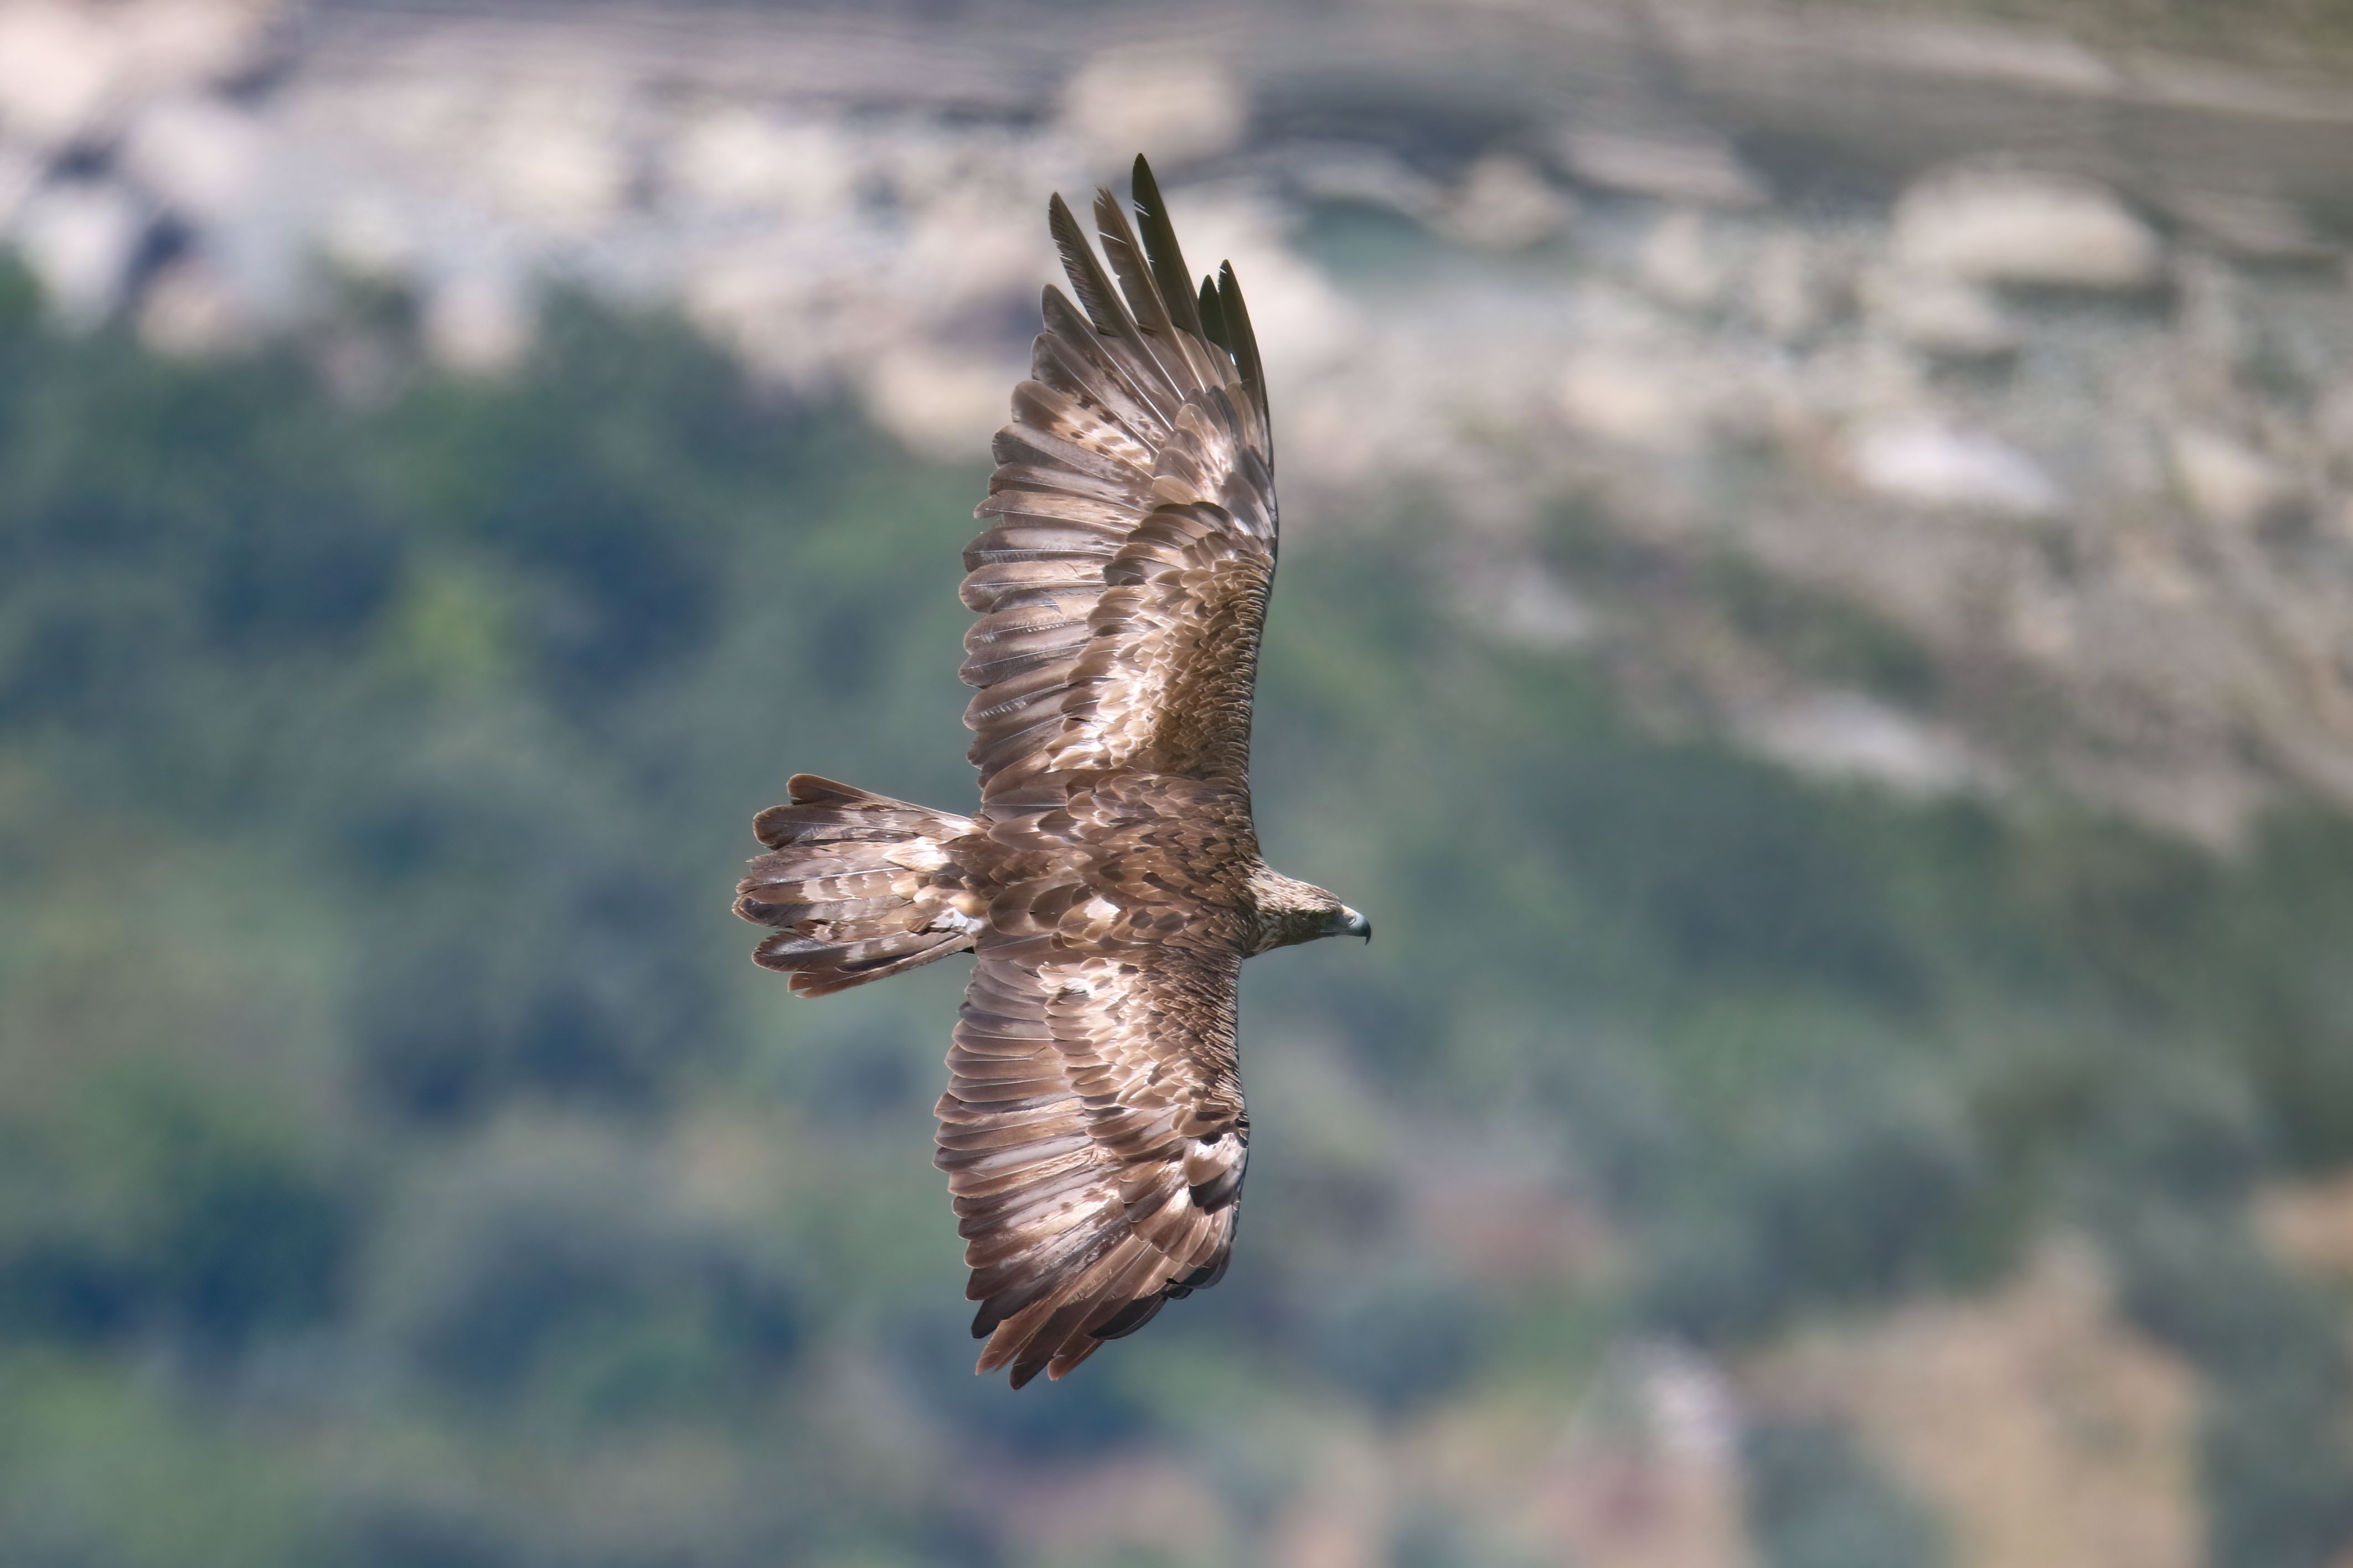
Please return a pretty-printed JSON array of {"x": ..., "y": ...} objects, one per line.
[
  {"x": 1213, "y": 320},
  {"x": 1243, "y": 344},
  {"x": 1162, "y": 254},
  {"x": 816, "y": 789}
]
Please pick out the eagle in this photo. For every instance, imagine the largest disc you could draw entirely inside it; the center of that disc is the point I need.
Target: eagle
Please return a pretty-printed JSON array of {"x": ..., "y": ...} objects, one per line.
[{"x": 1109, "y": 885}]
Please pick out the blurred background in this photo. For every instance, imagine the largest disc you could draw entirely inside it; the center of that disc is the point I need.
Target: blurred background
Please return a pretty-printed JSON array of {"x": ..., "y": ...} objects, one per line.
[{"x": 1816, "y": 619}]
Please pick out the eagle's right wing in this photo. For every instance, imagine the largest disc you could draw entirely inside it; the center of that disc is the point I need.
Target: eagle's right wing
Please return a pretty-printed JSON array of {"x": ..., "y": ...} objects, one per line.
[
  {"x": 1123, "y": 577},
  {"x": 1092, "y": 1133}
]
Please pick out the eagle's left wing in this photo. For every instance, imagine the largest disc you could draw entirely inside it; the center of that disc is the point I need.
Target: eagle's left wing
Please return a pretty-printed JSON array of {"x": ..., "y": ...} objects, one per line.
[
  {"x": 1092, "y": 1133},
  {"x": 1123, "y": 576}
]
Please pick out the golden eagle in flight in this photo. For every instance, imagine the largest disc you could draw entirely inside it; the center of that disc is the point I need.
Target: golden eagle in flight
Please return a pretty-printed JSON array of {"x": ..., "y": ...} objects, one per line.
[{"x": 1110, "y": 884}]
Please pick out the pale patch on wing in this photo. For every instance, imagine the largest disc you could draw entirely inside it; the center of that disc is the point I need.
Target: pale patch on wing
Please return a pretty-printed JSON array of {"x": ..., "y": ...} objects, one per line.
[{"x": 957, "y": 920}]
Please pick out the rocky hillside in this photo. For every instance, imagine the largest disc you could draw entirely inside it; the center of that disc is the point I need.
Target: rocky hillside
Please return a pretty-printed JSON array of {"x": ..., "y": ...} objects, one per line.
[{"x": 2034, "y": 357}]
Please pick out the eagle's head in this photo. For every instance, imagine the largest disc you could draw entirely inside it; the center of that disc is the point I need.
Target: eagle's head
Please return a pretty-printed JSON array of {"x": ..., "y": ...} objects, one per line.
[{"x": 1290, "y": 911}]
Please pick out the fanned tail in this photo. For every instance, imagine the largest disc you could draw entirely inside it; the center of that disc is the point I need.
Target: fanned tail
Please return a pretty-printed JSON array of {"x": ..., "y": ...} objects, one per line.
[{"x": 858, "y": 887}]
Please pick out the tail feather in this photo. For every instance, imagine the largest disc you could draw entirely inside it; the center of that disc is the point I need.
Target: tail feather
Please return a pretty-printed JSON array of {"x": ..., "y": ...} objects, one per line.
[{"x": 858, "y": 887}]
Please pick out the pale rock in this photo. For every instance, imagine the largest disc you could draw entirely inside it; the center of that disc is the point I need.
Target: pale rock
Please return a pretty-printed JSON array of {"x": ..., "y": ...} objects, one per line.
[
  {"x": 2251, "y": 224},
  {"x": 966, "y": 249},
  {"x": 2210, "y": 315},
  {"x": 1647, "y": 1472},
  {"x": 81, "y": 240},
  {"x": 59, "y": 68},
  {"x": 940, "y": 407},
  {"x": 1941, "y": 316},
  {"x": 1795, "y": 292},
  {"x": 20, "y": 176},
  {"x": 2332, "y": 422},
  {"x": 2034, "y": 1418},
  {"x": 555, "y": 159},
  {"x": 1176, "y": 109},
  {"x": 1684, "y": 166},
  {"x": 2149, "y": 565},
  {"x": 1693, "y": 1409},
  {"x": 196, "y": 155},
  {"x": 737, "y": 159},
  {"x": 1667, "y": 397},
  {"x": 2004, "y": 226},
  {"x": 1632, "y": 397},
  {"x": 187, "y": 312},
  {"x": 68, "y": 72},
  {"x": 1365, "y": 176},
  {"x": 2228, "y": 482},
  {"x": 1864, "y": 376},
  {"x": 1612, "y": 311},
  {"x": 371, "y": 236},
  {"x": 925, "y": 162},
  {"x": 1333, "y": 434},
  {"x": 428, "y": 116},
  {"x": 1506, "y": 204},
  {"x": 1681, "y": 264},
  {"x": 2040, "y": 617},
  {"x": 1922, "y": 460},
  {"x": 171, "y": 46},
  {"x": 746, "y": 296},
  {"x": 1529, "y": 604},
  {"x": 1844, "y": 734},
  {"x": 478, "y": 324}
]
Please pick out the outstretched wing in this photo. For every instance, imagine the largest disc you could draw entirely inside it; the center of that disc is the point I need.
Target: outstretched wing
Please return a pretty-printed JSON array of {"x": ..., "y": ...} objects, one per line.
[
  {"x": 1095, "y": 1139},
  {"x": 1123, "y": 576}
]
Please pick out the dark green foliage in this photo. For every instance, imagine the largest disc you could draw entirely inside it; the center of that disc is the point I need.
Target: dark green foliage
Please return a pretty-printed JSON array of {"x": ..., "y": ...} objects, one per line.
[
  {"x": 169, "y": 1214},
  {"x": 1401, "y": 1343},
  {"x": 575, "y": 1287},
  {"x": 380, "y": 1057},
  {"x": 1816, "y": 1503},
  {"x": 2273, "y": 1452}
]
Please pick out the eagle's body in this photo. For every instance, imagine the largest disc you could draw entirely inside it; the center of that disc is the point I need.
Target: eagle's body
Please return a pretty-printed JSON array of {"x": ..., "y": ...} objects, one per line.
[{"x": 1110, "y": 884}]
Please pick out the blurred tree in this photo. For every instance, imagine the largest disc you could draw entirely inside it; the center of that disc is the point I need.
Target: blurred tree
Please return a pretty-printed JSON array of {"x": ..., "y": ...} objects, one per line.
[{"x": 399, "y": 1164}]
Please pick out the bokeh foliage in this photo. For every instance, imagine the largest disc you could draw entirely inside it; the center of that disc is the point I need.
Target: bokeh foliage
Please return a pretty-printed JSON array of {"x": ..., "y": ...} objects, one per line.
[{"x": 401, "y": 1167}]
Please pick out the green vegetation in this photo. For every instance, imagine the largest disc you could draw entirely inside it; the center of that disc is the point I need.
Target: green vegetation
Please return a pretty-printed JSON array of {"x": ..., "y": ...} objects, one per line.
[{"x": 402, "y": 1167}]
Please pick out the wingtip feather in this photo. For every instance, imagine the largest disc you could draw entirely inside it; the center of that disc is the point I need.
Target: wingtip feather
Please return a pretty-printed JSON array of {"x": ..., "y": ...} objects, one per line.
[{"x": 1161, "y": 252}]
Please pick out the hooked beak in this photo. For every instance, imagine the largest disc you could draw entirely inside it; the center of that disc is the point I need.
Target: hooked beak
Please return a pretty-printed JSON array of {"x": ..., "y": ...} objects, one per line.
[{"x": 1354, "y": 924}]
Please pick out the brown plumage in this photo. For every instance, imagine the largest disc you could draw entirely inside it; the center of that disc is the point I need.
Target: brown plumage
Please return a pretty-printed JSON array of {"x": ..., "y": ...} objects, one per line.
[{"x": 1092, "y": 1131}]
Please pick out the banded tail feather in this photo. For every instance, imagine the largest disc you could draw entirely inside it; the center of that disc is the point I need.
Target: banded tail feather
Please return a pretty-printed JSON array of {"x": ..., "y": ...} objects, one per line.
[{"x": 858, "y": 886}]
